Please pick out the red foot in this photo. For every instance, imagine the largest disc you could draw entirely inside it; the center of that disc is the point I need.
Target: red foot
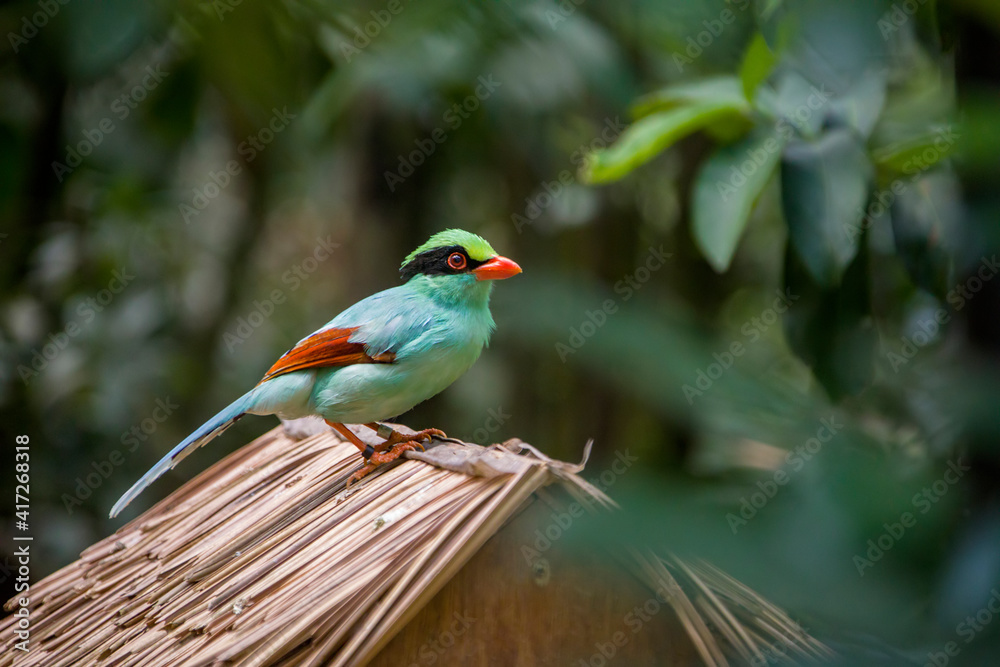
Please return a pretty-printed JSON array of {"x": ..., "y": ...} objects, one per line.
[
  {"x": 420, "y": 436},
  {"x": 380, "y": 458}
]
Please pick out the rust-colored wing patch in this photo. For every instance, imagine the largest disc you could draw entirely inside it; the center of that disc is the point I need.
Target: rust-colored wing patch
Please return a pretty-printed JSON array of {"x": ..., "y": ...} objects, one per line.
[{"x": 326, "y": 348}]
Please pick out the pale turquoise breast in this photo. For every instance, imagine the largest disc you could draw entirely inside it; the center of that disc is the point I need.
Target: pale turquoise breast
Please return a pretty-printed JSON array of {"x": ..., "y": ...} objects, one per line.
[
  {"x": 424, "y": 366},
  {"x": 435, "y": 327}
]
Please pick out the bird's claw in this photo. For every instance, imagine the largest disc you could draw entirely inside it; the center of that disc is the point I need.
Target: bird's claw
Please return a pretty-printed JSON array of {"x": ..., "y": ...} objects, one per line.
[
  {"x": 397, "y": 438},
  {"x": 382, "y": 457}
]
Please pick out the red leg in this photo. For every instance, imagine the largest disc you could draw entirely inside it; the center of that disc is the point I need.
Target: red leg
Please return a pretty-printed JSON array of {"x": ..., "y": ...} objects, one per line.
[
  {"x": 381, "y": 430},
  {"x": 349, "y": 434},
  {"x": 394, "y": 437},
  {"x": 381, "y": 458},
  {"x": 395, "y": 442}
]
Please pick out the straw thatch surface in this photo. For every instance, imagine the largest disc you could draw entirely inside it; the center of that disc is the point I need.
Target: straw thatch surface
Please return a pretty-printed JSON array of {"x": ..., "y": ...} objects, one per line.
[{"x": 266, "y": 559}]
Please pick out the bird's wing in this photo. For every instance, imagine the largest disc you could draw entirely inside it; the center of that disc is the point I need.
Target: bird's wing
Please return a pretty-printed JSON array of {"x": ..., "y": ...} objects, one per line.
[
  {"x": 391, "y": 320},
  {"x": 373, "y": 331},
  {"x": 325, "y": 348}
]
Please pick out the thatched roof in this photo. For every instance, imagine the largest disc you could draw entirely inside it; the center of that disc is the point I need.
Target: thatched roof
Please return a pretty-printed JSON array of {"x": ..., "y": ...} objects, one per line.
[{"x": 265, "y": 558}]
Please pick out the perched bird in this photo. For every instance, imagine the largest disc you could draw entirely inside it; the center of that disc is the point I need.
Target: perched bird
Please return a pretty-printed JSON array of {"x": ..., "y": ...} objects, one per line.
[{"x": 378, "y": 358}]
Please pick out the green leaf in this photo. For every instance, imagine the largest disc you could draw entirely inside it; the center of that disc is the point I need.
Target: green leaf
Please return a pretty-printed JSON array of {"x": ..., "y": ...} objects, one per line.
[
  {"x": 862, "y": 104},
  {"x": 824, "y": 187},
  {"x": 795, "y": 101},
  {"x": 779, "y": 25},
  {"x": 769, "y": 8},
  {"x": 716, "y": 89},
  {"x": 925, "y": 230},
  {"x": 648, "y": 136},
  {"x": 758, "y": 62},
  {"x": 831, "y": 329},
  {"x": 911, "y": 156},
  {"x": 725, "y": 190}
]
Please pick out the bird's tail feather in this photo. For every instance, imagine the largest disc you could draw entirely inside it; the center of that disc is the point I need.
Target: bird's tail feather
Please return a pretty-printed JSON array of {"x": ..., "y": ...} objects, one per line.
[{"x": 206, "y": 432}]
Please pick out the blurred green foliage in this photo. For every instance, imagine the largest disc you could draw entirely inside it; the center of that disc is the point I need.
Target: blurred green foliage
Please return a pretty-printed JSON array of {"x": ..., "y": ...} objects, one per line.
[{"x": 821, "y": 175}]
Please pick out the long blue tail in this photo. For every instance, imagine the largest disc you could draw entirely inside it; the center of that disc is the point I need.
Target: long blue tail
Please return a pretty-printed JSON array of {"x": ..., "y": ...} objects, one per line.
[{"x": 206, "y": 432}]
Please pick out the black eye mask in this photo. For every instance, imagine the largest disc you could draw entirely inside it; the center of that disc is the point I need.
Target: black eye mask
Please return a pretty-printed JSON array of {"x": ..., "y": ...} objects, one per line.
[{"x": 435, "y": 263}]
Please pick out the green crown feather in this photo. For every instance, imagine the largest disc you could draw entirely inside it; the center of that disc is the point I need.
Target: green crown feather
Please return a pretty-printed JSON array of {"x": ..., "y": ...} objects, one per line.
[{"x": 477, "y": 247}]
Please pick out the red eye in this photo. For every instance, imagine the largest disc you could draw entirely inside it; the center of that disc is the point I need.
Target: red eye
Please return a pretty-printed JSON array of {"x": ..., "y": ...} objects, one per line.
[{"x": 456, "y": 261}]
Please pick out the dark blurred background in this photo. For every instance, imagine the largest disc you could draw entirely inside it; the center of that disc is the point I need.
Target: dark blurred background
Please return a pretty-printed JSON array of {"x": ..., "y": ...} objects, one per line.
[{"x": 188, "y": 188}]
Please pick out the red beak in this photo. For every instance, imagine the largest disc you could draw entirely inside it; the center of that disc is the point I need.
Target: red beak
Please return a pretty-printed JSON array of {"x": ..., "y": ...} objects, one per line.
[{"x": 497, "y": 268}]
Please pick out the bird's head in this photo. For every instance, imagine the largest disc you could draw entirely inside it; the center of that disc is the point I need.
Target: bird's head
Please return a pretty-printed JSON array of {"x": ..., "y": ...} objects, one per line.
[{"x": 457, "y": 265}]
